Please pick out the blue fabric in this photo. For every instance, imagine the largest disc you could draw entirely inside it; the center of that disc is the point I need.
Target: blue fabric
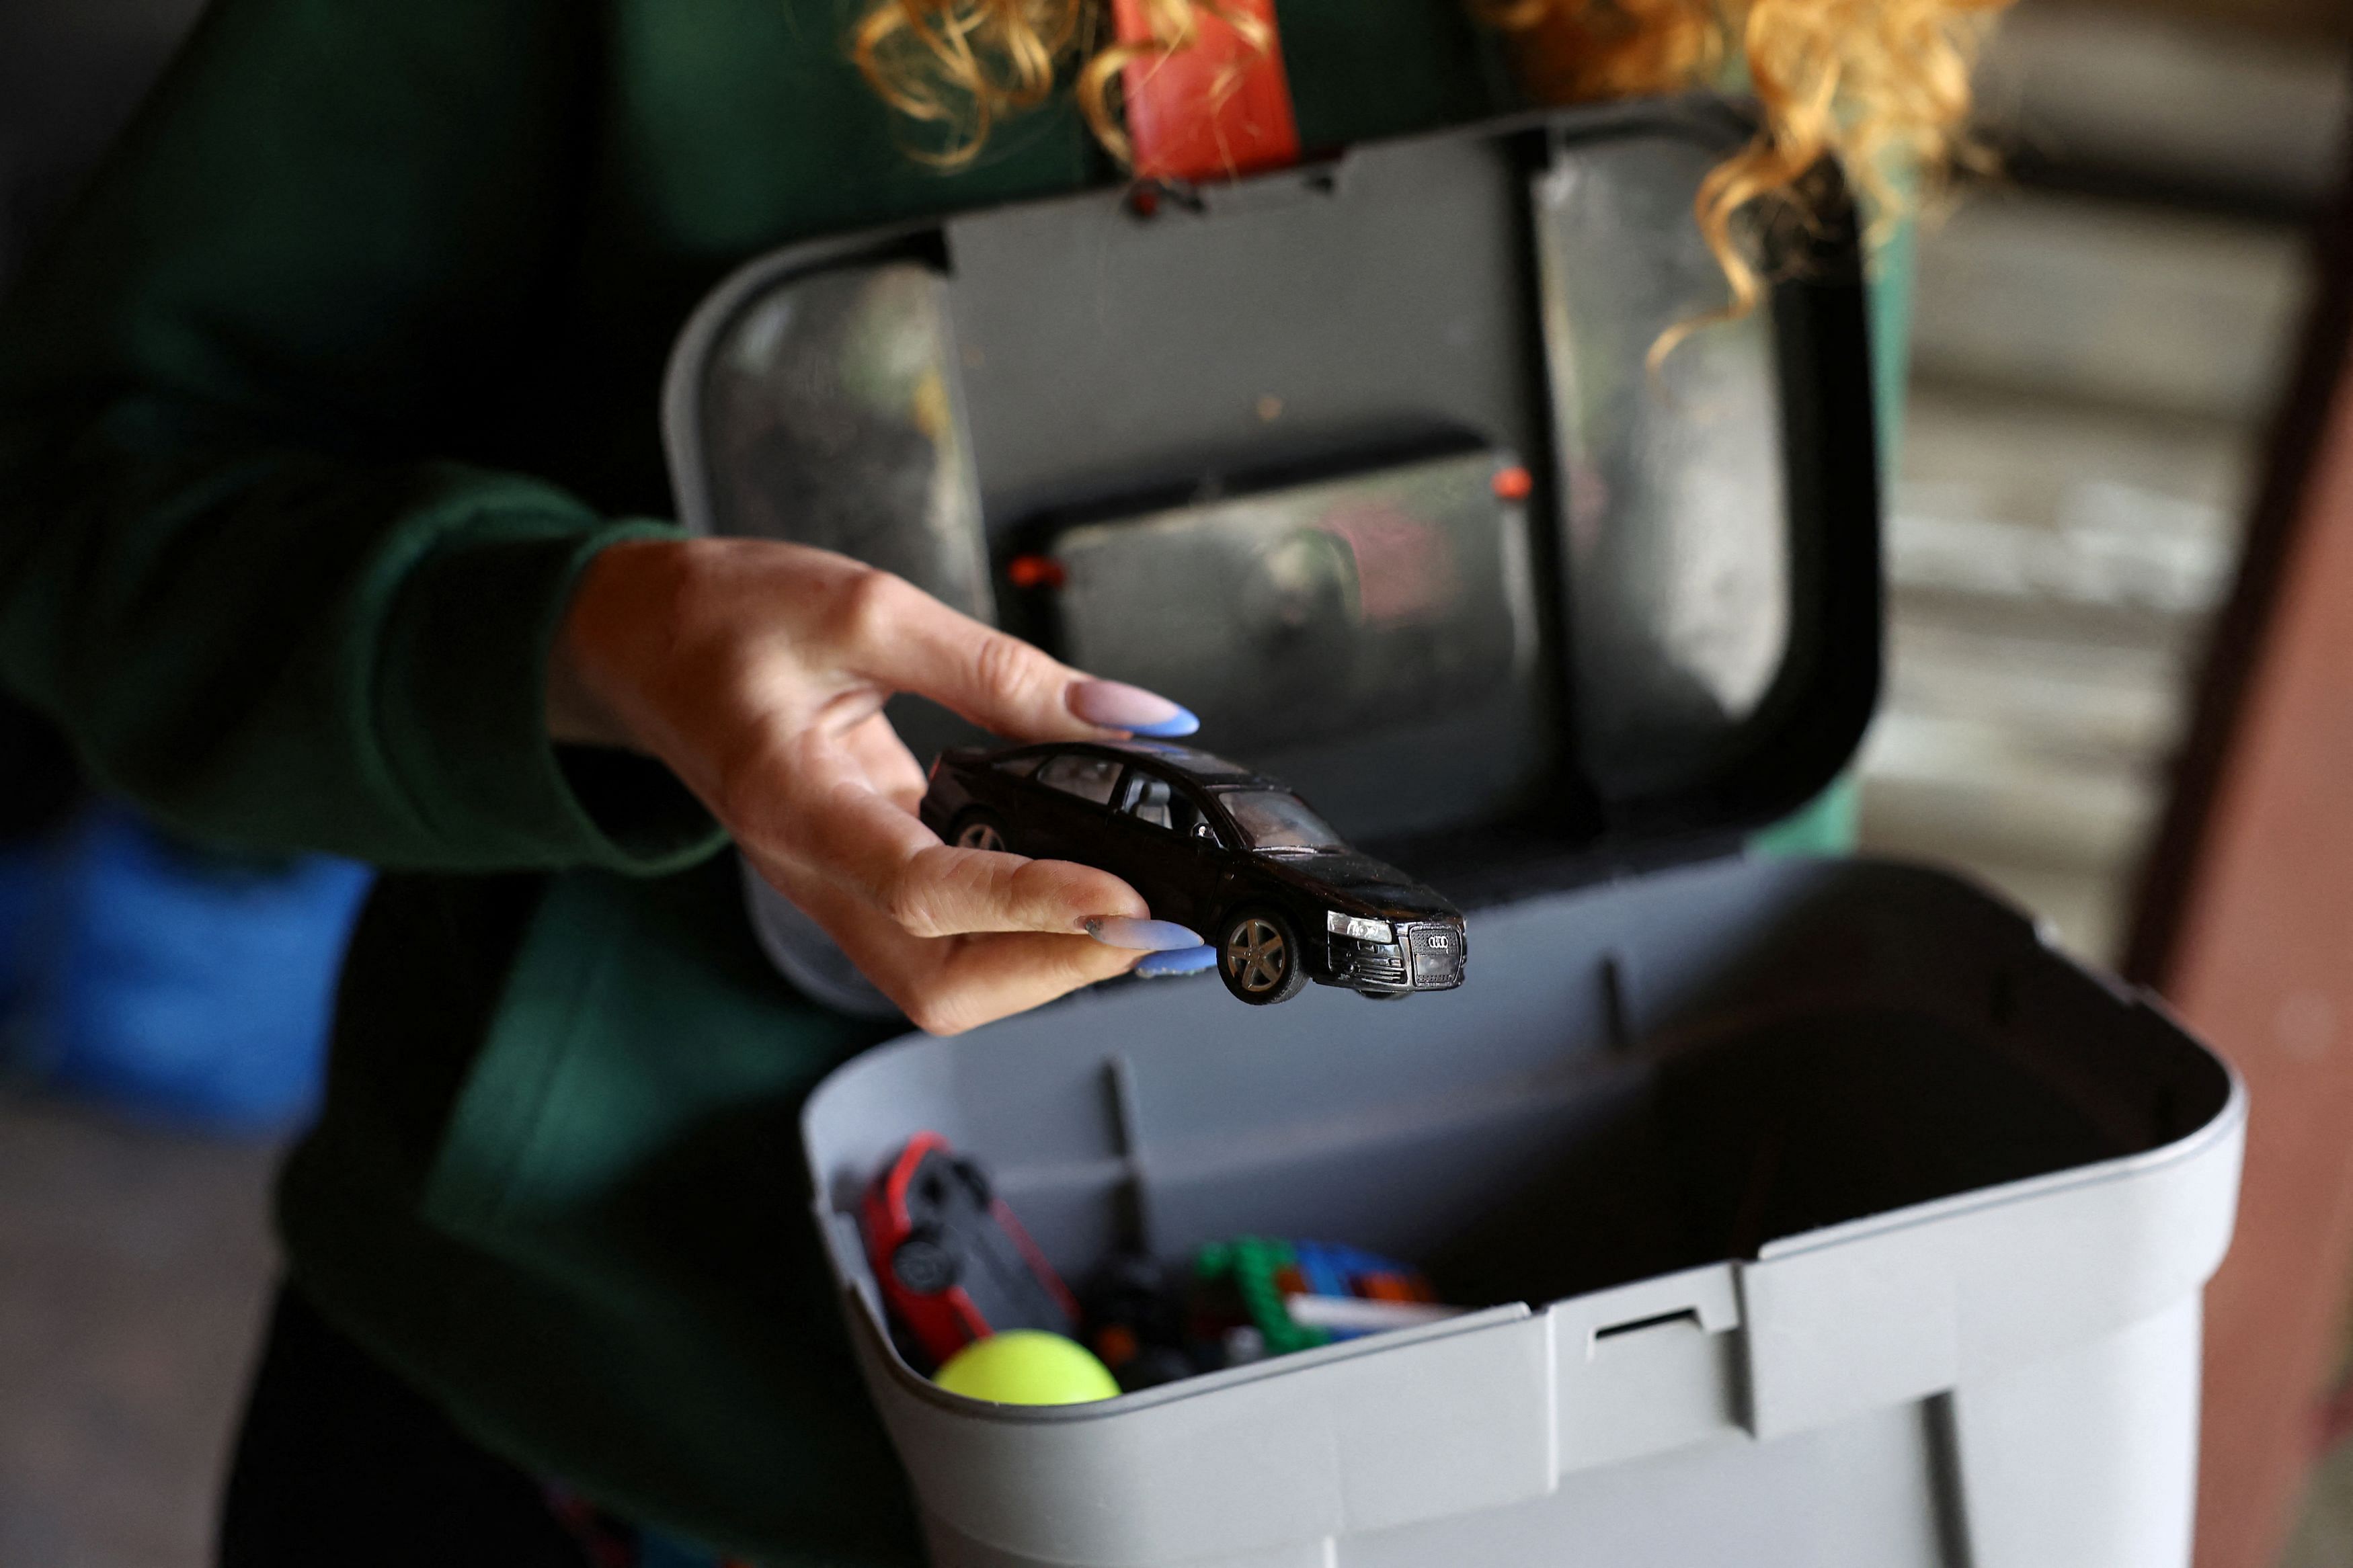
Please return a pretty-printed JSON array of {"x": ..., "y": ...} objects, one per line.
[{"x": 183, "y": 984}]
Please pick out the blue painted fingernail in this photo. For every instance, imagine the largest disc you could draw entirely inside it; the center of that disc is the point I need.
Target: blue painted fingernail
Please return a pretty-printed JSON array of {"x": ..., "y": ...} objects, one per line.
[
  {"x": 1184, "y": 961},
  {"x": 1184, "y": 723},
  {"x": 1141, "y": 936},
  {"x": 1115, "y": 705}
]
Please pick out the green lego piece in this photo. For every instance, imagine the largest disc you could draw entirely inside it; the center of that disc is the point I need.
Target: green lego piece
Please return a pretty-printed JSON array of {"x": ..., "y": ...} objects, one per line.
[{"x": 1253, "y": 1263}]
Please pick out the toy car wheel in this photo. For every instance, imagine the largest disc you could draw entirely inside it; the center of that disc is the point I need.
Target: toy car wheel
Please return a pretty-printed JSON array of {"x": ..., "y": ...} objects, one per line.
[
  {"x": 980, "y": 830},
  {"x": 924, "y": 1266},
  {"x": 1259, "y": 957}
]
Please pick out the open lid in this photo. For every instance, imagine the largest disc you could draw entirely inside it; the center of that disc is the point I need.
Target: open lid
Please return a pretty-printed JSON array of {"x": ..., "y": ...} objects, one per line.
[{"x": 1363, "y": 462}]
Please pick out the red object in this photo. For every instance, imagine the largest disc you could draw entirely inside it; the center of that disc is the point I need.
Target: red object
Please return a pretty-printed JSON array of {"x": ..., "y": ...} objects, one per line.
[
  {"x": 1515, "y": 483},
  {"x": 952, "y": 1262},
  {"x": 1393, "y": 1288},
  {"x": 1034, "y": 572},
  {"x": 2246, "y": 928},
  {"x": 1217, "y": 110},
  {"x": 1116, "y": 1345}
]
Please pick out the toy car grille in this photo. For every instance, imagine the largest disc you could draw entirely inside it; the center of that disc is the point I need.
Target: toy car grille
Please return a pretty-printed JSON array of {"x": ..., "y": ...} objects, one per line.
[{"x": 1437, "y": 951}]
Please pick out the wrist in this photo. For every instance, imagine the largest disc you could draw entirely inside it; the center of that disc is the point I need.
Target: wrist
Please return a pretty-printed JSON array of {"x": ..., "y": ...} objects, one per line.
[{"x": 610, "y": 630}]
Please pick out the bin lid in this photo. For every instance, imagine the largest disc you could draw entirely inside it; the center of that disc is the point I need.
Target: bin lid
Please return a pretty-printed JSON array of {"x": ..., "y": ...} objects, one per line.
[{"x": 1370, "y": 463}]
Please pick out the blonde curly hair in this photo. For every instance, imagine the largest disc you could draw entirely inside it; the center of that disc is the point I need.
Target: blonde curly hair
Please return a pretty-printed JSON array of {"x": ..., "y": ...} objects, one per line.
[{"x": 1882, "y": 84}]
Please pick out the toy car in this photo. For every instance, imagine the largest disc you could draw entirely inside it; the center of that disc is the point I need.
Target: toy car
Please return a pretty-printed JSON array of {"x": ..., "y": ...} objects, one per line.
[
  {"x": 1213, "y": 847},
  {"x": 954, "y": 1263}
]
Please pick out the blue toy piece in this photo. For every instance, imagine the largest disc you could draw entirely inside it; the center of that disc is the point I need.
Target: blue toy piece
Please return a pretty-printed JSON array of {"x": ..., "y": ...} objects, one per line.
[{"x": 1330, "y": 1269}]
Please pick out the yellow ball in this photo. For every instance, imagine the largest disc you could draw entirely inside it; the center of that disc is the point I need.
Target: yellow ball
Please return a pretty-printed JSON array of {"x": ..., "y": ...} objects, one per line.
[{"x": 1027, "y": 1366}]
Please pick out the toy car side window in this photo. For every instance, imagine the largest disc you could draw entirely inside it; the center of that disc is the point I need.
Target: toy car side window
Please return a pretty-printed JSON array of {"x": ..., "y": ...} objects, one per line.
[
  {"x": 1161, "y": 803},
  {"x": 1019, "y": 767},
  {"x": 1089, "y": 778}
]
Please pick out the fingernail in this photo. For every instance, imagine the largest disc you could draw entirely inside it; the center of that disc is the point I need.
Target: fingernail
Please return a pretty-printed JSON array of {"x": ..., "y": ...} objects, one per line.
[
  {"x": 1115, "y": 705},
  {"x": 1141, "y": 936},
  {"x": 1184, "y": 961}
]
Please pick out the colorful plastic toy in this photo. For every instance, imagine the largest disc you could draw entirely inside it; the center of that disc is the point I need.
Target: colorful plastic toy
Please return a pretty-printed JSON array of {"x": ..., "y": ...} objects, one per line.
[
  {"x": 1260, "y": 1276},
  {"x": 1136, "y": 1324}
]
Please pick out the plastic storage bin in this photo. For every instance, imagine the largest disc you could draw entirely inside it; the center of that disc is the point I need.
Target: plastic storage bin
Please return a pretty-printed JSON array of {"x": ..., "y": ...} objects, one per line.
[
  {"x": 1829, "y": 1218},
  {"x": 1840, "y": 1222}
]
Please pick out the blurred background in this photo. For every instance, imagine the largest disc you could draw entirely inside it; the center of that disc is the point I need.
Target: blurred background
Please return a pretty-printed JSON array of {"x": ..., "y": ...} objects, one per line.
[
  {"x": 2100, "y": 339},
  {"x": 161, "y": 1017},
  {"x": 2103, "y": 334}
]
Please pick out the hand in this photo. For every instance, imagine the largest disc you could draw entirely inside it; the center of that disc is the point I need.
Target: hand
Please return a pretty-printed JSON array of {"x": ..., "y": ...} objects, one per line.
[{"x": 757, "y": 672}]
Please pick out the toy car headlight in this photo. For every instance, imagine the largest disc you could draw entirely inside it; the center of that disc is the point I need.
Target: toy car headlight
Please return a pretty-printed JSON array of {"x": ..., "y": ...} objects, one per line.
[{"x": 1363, "y": 930}]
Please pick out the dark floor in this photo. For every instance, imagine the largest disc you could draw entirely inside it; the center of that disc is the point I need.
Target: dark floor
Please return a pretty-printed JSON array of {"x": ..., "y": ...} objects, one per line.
[{"x": 133, "y": 1269}]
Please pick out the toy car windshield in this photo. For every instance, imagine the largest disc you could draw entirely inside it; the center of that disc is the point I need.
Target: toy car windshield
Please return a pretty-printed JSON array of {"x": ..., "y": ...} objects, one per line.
[{"x": 1271, "y": 819}]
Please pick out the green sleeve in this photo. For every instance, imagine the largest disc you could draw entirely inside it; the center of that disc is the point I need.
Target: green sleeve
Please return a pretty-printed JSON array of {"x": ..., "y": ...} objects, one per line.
[{"x": 259, "y": 553}]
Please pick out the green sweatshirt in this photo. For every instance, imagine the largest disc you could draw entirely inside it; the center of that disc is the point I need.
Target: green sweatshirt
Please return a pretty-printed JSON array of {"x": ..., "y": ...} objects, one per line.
[{"x": 308, "y": 419}]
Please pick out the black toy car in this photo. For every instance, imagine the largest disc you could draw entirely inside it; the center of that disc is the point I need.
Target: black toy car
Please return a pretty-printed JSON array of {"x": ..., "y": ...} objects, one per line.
[{"x": 1213, "y": 847}]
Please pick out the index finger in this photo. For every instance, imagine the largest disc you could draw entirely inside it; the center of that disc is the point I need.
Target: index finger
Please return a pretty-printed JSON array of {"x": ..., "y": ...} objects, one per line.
[{"x": 901, "y": 637}]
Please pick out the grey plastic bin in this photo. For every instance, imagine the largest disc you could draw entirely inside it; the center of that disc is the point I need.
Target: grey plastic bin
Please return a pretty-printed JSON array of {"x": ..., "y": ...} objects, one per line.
[
  {"x": 1838, "y": 1222},
  {"x": 1842, "y": 1222}
]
